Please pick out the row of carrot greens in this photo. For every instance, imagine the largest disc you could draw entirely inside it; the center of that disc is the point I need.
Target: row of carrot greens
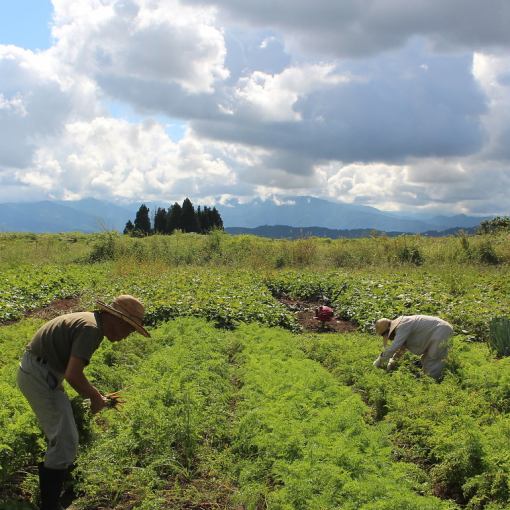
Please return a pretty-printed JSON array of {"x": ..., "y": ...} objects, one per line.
[
  {"x": 264, "y": 416},
  {"x": 456, "y": 432},
  {"x": 243, "y": 418}
]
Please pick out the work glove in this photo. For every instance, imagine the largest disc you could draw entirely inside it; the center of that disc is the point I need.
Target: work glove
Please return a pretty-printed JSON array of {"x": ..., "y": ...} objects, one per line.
[
  {"x": 392, "y": 364},
  {"x": 378, "y": 363}
]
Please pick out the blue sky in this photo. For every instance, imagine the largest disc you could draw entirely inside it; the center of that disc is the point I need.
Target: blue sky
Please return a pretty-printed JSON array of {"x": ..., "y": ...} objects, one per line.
[
  {"x": 403, "y": 106},
  {"x": 26, "y": 23}
]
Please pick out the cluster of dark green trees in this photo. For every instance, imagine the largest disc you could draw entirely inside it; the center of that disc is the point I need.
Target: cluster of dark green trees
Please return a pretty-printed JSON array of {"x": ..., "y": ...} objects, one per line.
[
  {"x": 494, "y": 225},
  {"x": 177, "y": 217}
]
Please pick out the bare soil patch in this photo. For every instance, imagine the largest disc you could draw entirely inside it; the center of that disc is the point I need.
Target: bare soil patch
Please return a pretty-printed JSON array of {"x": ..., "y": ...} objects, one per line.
[
  {"x": 56, "y": 308},
  {"x": 305, "y": 314}
]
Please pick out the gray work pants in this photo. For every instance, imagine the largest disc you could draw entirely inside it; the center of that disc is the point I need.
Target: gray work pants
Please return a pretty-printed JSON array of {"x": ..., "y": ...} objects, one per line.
[
  {"x": 433, "y": 359},
  {"x": 43, "y": 390}
]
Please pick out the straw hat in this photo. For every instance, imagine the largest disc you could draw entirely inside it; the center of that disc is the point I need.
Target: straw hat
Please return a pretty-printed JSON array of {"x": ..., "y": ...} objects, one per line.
[
  {"x": 386, "y": 326},
  {"x": 127, "y": 308}
]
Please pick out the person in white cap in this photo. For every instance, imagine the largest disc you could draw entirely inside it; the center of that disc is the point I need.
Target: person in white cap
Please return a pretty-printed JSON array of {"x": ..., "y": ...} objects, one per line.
[
  {"x": 423, "y": 335},
  {"x": 59, "y": 351}
]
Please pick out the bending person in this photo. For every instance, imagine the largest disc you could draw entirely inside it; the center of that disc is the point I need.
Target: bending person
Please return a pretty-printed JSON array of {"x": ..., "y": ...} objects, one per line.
[
  {"x": 423, "y": 335},
  {"x": 60, "y": 350}
]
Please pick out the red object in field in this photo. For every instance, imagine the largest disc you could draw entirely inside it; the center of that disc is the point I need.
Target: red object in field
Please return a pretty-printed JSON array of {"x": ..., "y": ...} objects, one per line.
[{"x": 324, "y": 313}]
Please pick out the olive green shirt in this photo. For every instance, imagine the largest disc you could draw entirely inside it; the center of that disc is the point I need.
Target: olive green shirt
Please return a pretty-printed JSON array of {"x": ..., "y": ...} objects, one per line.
[{"x": 74, "y": 334}]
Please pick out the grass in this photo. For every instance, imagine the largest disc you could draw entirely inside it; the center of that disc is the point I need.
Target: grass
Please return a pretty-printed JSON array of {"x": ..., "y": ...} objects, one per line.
[{"x": 218, "y": 249}]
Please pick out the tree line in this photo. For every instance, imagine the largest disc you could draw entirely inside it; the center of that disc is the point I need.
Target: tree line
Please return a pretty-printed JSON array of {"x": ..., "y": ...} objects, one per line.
[
  {"x": 494, "y": 225},
  {"x": 184, "y": 218}
]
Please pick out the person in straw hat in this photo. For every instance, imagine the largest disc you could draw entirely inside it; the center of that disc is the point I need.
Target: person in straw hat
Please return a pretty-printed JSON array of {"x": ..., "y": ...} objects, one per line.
[
  {"x": 423, "y": 335},
  {"x": 60, "y": 350}
]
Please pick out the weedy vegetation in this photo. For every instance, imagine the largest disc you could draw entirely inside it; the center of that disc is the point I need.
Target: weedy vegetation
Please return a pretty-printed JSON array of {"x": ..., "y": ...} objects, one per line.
[{"x": 231, "y": 405}]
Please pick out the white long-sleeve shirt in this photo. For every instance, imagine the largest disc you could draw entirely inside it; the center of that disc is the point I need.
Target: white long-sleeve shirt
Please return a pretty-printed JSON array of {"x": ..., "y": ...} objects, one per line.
[{"x": 417, "y": 332}]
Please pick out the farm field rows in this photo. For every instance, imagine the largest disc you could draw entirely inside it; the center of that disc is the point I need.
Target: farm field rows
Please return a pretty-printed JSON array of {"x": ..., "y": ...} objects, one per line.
[
  {"x": 28, "y": 287},
  {"x": 467, "y": 297},
  {"x": 263, "y": 415},
  {"x": 235, "y": 418},
  {"x": 231, "y": 405}
]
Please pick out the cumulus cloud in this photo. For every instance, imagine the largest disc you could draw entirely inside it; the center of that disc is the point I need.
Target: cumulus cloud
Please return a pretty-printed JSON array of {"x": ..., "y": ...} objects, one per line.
[
  {"x": 35, "y": 101},
  {"x": 108, "y": 158},
  {"x": 383, "y": 109},
  {"x": 427, "y": 185},
  {"x": 272, "y": 98},
  {"x": 493, "y": 73},
  {"x": 147, "y": 41},
  {"x": 359, "y": 28},
  {"x": 369, "y": 184},
  {"x": 112, "y": 158}
]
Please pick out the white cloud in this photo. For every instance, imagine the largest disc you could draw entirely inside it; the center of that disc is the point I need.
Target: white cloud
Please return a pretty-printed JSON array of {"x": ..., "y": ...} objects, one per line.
[
  {"x": 14, "y": 106},
  {"x": 108, "y": 158},
  {"x": 142, "y": 40},
  {"x": 273, "y": 97},
  {"x": 441, "y": 186},
  {"x": 493, "y": 73},
  {"x": 371, "y": 184},
  {"x": 382, "y": 109},
  {"x": 35, "y": 101}
]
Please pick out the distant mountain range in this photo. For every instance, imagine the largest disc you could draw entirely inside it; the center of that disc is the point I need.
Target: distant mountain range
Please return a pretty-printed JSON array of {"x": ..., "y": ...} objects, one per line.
[
  {"x": 310, "y": 211},
  {"x": 91, "y": 215},
  {"x": 86, "y": 215},
  {"x": 286, "y": 232}
]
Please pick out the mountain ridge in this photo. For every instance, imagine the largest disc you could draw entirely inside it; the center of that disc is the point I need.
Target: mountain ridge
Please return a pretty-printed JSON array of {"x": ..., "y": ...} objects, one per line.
[
  {"x": 287, "y": 232},
  {"x": 93, "y": 215}
]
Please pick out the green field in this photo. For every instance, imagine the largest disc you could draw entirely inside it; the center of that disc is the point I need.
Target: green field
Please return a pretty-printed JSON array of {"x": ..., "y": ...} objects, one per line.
[{"x": 232, "y": 405}]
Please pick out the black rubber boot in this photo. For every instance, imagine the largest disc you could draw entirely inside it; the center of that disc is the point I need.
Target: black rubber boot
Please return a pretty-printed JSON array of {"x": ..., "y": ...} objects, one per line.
[{"x": 50, "y": 484}]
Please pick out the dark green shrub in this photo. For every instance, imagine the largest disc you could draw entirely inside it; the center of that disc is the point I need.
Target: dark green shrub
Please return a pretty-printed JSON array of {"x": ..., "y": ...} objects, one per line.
[
  {"x": 499, "y": 336},
  {"x": 467, "y": 251},
  {"x": 214, "y": 241},
  {"x": 281, "y": 260},
  {"x": 104, "y": 248},
  {"x": 486, "y": 253},
  {"x": 497, "y": 224},
  {"x": 410, "y": 255}
]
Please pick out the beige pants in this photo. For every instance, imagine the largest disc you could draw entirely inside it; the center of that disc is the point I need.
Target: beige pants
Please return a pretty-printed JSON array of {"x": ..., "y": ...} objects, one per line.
[
  {"x": 51, "y": 405},
  {"x": 433, "y": 359}
]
